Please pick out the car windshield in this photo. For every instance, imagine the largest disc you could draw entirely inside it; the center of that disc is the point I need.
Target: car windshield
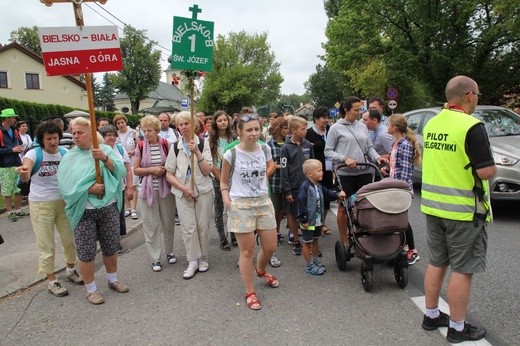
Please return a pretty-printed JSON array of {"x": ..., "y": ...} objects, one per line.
[{"x": 499, "y": 122}]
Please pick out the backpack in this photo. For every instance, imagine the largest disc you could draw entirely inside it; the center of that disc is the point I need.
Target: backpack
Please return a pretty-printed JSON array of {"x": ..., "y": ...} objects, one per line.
[
  {"x": 201, "y": 146},
  {"x": 39, "y": 158},
  {"x": 164, "y": 144},
  {"x": 233, "y": 150}
]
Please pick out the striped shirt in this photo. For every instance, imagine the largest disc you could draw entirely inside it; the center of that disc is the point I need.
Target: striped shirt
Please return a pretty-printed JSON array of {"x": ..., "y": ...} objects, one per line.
[{"x": 155, "y": 160}]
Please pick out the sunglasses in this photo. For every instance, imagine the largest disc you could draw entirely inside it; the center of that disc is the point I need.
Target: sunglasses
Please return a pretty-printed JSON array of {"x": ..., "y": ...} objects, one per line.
[{"x": 248, "y": 117}]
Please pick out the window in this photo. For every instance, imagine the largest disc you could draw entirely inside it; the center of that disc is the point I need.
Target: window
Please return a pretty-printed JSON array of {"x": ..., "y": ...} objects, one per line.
[
  {"x": 32, "y": 81},
  {"x": 3, "y": 80}
]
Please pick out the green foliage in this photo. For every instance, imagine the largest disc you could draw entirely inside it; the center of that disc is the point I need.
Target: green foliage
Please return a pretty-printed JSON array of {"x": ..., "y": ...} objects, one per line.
[
  {"x": 141, "y": 69},
  {"x": 325, "y": 87},
  {"x": 106, "y": 93},
  {"x": 245, "y": 73},
  {"x": 28, "y": 37},
  {"x": 419, "y": 44}
]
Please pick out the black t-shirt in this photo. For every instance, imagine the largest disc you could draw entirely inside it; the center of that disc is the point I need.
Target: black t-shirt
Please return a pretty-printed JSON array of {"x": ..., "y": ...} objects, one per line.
[{"x": 478, "y": 148}]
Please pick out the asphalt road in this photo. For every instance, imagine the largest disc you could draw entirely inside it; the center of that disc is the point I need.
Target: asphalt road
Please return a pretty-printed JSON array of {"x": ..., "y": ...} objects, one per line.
[{"x": 162, "y": 308}]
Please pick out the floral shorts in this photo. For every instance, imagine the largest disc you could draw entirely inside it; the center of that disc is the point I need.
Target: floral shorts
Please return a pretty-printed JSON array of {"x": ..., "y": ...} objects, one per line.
[
  {"x": 9, "y": 181},
  {"x": 246, "y": 215}
]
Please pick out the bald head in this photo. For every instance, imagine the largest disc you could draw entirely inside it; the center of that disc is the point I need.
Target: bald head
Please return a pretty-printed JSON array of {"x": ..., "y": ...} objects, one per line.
[
  {"x": 463, "y": 91},
  {"x": 458, "y": 87}
]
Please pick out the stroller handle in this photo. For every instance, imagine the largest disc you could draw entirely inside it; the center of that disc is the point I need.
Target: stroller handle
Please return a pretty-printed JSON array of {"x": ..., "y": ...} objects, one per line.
[{"x": 359, "y": 164}]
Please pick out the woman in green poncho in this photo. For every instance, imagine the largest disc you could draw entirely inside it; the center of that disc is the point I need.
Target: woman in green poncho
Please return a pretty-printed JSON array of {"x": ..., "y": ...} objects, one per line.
[{"x": 93, "y": 218}]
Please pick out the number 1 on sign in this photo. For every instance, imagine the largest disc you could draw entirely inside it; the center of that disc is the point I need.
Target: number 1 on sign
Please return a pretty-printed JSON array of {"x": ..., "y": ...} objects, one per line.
[{"x": 192, "y": 39}]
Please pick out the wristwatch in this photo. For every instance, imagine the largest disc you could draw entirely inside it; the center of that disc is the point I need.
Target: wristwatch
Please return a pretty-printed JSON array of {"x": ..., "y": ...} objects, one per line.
[{"x": 105, "y": 159}]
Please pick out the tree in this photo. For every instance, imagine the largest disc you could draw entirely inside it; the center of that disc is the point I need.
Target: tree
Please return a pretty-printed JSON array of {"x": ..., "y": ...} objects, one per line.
[
  {"x": 28, "y": 37},
  {"x": 325, "y": 88},
  {"x": 141, "y": 69},
  {"x": 244, "y": 73},
  {"x": 105, "y": 95},
  {"x": 417, "y": 46}
]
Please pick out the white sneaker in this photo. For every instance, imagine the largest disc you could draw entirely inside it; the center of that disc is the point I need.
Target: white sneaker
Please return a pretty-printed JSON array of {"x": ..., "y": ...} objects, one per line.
[
  {"x": 203, "y": 266},
  {"x": 190, "y": 271},
  {"x": 171, "y": 258},
  {"x": 57, "y": 289}
]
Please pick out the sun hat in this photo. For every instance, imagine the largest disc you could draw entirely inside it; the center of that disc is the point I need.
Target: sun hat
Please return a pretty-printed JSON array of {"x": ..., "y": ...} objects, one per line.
[{"x": 8, "y": 113}]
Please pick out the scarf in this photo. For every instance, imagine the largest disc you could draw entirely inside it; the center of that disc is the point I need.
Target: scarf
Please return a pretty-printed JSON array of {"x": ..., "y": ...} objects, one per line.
[{"x": 146, "y": 190}]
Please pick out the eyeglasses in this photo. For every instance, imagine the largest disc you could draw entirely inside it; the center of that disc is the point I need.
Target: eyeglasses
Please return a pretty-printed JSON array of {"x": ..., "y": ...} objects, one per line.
[
  {"x": 474, "y": 93},
  {"x": 248, "y": 117}
]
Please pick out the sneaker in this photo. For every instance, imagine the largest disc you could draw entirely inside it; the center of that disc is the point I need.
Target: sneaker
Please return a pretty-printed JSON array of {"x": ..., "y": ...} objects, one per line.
[
  {"x": 21, "y": 213},
  {"x": 412, "y": 257},
  {"x": 12, "y": 216},
  {"x": 314, "y": 269},
  {"x": 177, "y": 221},
  {"x": 127, "y": 212},
  {"x": 317, "y": 263},
  {"x": 443, "y": 320},
  {"x": 171, "y": 258},
  {"x": 275, "y": 261},
  {"x": 290, "y": 238},
  {"x": 156, "y": 267},
  {"x": 190, "y": 271},
  {"x": 95, "y": 298},
  {"x": 119, "y": 249},
  {"x": 134, "y": 215},
  {"x": 297, "y": 249},
  {"x": 75, "y": 277},
  {"x": 203, "y": 266},
  {"x": 118, "y": 286},
  {"x": 57, "y": 289},
  {"x": 469, "y": 333}
]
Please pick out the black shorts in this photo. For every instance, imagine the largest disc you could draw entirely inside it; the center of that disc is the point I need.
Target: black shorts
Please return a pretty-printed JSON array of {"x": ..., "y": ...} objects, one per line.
[{"x": 309, "y": 236}]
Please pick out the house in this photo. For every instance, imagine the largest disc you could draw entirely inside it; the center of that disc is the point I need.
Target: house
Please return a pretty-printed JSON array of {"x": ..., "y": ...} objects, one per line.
[
  {"x": 166, "y": 98},
  {"x": 23, "y": 78}
]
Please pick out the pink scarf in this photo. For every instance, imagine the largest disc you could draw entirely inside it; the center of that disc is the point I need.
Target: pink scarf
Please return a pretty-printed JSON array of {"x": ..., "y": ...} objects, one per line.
[{"x": 146, "y": 190}]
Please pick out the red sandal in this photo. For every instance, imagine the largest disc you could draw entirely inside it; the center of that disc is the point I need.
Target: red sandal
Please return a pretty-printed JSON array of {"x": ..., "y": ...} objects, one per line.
[
  {"x": 270, "y": 280},
  {"x": 252, "y": 301}
]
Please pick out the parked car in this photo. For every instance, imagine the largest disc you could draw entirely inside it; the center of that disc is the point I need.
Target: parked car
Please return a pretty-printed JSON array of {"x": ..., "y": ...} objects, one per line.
[{"x": 503, "y": 129}]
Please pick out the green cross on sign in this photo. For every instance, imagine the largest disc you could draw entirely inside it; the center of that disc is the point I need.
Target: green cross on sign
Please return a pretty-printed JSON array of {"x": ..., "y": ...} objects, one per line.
[{"x": 192, "y": 44}]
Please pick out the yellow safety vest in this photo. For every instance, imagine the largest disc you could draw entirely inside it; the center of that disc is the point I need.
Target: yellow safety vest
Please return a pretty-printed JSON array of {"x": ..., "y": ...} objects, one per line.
[{"x": 448, "y": 181}]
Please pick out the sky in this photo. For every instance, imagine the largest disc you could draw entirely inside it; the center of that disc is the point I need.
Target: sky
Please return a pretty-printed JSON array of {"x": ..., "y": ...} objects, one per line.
[{"x": 295, "y": 28}]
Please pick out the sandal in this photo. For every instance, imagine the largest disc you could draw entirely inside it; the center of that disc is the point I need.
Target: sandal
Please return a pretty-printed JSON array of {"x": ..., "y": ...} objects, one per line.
[
  {"x": 325, "y": 230},
  {"x": 127, "y": 213},
  {"x": 224, "y": 245},
  {"x": 134, "y": 215},
  {"x": 252, "y": 301},
  {"x": 270, "y": 280}
]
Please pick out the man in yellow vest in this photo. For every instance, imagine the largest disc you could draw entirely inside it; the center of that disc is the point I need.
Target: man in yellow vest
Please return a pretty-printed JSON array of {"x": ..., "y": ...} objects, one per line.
[{"x": 457, "y": 162}]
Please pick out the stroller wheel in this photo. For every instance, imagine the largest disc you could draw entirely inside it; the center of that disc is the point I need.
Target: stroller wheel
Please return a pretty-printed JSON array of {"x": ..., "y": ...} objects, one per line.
[
  {"x": 341, "y": 256},
  {"x": 367, "y": 279},
  {"x": 401, "y": 275}
]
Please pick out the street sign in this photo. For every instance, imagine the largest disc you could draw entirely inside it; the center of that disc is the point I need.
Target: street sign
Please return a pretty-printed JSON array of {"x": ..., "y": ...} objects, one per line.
[
  {"x": 184, "y": 102},
  {"x": 337, "y": 104},
  {"x": 192, "y": 43},
  {"x": 76, "y": 50},
  {"x": 364, "y": 106},
  {"x": 392, "y": 104},
  {"x": 392, "y": 93}
]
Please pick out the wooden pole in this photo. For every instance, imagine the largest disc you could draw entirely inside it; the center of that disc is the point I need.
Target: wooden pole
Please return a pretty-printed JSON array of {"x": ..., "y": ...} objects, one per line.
[
  {"x": 192, "y": 128},
  {"x": 78, "y": 16}
]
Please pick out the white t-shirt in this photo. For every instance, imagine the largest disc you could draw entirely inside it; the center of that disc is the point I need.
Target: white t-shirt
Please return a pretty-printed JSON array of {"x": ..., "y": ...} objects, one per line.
[
  {"x": 124, "y": 158},
  {"x": 249, "y": 175},
  {"x": 127, "y": 139},
  {"x": 169, "y": 135},
  {"x": 44, "y": 183}
]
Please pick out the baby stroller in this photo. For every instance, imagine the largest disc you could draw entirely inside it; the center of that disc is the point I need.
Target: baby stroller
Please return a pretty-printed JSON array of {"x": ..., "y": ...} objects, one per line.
[{"x": 377, "y": 220}]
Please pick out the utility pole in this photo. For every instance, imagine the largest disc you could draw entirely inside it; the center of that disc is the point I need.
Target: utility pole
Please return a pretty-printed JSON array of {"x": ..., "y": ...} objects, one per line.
[{"x": 78, "y": 16}]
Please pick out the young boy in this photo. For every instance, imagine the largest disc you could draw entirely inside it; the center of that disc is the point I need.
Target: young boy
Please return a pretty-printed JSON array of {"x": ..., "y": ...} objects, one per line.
[
  {"x": 311, "y": 200},
  {"x": 294, "y": 152}
]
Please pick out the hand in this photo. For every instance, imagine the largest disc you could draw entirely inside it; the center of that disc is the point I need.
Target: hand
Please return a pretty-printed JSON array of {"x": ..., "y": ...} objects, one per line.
[
  {"x": 193, "y": 147},
  {"x": 384, "y": 171},
  {"x": 188, "y": 194},
  {"x": 24, "y": 172},
  {"x": 18, "y": 149},
  {"x": 227, "y": 202},
  {"x": 382, "y": 159},
  {"x": 98, "y": 154},
  {"x": 350, "y": 163},
  {"x": 129, "y": 193},
  {"x": 97, "y": 189},
  {"x": 289, "y": 199},
  {"x": 159, "y": 171},
  {"x": 342, "y": 195}
]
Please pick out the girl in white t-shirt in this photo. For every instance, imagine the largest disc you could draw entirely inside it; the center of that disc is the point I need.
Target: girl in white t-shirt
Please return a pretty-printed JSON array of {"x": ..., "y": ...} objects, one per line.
[{"x": 244, "y": 188}]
